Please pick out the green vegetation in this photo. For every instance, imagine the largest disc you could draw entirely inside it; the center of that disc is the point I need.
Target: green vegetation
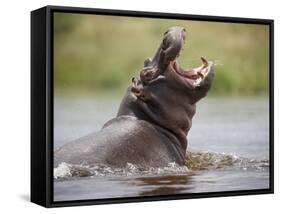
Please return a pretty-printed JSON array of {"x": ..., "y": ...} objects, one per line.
[{"x": 102, "y": 53}]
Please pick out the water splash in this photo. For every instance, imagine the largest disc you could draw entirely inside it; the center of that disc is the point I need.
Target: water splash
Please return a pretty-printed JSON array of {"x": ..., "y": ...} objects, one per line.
[
  {"x": 194, "y": 161},
  {"x": 190, "y": 62},
  {"x": 65, "y": 170},
  {"x": 209, "y": 160},
  {"x": 213, "y": 160},
  {"x": 218, "y": 63}
]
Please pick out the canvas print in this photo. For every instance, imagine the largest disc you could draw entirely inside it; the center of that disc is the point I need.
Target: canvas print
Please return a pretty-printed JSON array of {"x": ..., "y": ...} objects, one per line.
[{"x": 155, "y": 107}]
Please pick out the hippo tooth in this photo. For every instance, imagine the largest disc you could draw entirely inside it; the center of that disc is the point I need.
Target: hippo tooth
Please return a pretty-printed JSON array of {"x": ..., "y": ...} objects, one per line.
[{"x": 205, "y": 62}]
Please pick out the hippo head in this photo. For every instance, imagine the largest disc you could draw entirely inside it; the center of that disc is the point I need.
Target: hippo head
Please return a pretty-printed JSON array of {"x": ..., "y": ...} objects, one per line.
[
  {"x": 166, "y": 94},
  {"x": 196, "y": 81}
]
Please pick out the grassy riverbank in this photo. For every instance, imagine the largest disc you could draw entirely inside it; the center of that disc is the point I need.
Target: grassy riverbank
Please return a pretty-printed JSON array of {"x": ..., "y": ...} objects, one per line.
[{"x": 99, "y": 53}]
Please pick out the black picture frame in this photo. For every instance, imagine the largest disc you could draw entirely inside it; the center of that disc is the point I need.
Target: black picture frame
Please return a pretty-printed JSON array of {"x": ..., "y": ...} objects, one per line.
[{"x": 42, "y": 104}]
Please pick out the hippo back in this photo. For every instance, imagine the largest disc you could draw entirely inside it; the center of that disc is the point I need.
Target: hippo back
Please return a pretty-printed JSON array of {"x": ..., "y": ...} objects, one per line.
[{"x": 122, "y": 140}]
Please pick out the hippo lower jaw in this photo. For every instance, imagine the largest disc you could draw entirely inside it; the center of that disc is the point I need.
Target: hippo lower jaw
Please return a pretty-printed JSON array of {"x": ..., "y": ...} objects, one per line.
[{"x": 191, "y": 77}]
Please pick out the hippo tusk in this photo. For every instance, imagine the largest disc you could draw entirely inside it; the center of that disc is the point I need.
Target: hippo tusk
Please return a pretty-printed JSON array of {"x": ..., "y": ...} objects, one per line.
[{"x": 205, "y": 62}]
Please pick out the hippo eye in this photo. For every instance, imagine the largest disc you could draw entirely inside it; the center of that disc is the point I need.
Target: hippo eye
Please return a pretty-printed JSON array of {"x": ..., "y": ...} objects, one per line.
[
  {"x": 184, "y": 30},
  {"x": 164, "y": 44}
]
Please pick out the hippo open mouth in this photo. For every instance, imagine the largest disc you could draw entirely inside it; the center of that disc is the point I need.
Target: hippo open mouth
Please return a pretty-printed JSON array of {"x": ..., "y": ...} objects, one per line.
[{"x": 193, "y": 77}]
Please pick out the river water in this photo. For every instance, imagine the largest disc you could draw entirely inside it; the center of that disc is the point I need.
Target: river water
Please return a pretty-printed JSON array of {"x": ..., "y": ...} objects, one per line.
[{"x": 228, "y": 150}]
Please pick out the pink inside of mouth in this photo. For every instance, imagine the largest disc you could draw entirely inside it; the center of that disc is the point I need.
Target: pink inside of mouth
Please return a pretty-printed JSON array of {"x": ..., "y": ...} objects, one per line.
[{"x": 190, "y": 74}]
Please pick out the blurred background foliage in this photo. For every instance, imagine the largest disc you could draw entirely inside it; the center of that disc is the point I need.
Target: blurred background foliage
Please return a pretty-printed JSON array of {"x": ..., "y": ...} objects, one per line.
[{"x": 98, "y": 54}]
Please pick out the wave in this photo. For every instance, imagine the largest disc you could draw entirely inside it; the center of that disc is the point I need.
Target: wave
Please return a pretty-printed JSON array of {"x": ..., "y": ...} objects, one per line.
[{"x": 194, "y": 161}]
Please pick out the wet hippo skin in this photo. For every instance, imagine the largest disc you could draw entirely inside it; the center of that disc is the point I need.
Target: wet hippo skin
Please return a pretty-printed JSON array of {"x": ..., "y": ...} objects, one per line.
[{"x": 154, "y": 117}]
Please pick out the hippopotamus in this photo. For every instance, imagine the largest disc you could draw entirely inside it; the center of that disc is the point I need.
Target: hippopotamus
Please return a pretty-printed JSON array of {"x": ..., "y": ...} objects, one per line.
[{"x": 155, "y": 115}]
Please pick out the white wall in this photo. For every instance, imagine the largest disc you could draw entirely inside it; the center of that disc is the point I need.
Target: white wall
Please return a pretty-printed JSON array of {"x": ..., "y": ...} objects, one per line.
[{"x": 15, "y": 99}]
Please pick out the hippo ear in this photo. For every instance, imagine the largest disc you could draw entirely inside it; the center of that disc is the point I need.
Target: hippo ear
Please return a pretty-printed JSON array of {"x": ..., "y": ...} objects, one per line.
[
  {"x": 137, "y": 88},
  {"x": 147, "y": 62}
]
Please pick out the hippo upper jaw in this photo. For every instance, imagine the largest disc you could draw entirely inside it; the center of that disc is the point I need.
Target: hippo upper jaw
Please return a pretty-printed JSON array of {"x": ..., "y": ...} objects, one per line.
[
  {"x": 172, "y": 44},
  {"x": 170, "y": 48}
]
